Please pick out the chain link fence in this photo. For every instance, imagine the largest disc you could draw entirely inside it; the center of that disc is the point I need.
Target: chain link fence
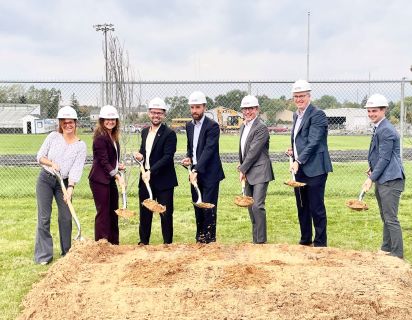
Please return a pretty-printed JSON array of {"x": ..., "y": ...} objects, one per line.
[{"x": 28, "y": 111}]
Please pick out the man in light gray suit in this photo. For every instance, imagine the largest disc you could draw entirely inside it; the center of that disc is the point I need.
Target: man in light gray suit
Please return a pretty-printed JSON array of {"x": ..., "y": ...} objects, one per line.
[
  {"x": 386, "y": 170},
  {"x": 255, "y": 165}
]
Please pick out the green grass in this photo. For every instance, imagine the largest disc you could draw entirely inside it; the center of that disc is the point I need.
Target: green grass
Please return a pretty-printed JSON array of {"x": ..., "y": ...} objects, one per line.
[
  {"x": 346, "y": 229},
  {"x": 30, "y": 144}
]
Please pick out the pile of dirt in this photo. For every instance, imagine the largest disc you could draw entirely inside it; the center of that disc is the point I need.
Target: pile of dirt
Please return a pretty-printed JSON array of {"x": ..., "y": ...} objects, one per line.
[{"x": 96, "y": 280}]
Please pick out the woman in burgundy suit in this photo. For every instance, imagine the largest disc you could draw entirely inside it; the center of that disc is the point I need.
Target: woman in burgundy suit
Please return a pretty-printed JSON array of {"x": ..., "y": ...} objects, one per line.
[{"x": 104, "y": 173}]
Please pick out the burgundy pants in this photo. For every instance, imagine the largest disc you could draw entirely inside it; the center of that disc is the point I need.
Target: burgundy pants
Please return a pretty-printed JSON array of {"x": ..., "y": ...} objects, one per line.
[{"x": 106, "y": 199}]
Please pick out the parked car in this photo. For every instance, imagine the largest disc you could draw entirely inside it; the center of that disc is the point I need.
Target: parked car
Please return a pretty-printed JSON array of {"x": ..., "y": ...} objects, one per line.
[{"x": 277, "y": 129}]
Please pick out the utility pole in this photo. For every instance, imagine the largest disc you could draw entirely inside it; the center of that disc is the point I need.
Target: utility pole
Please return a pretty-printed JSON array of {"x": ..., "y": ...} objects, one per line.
[
  {"x": 104, "y": 28},
  {"x": 307, "y": 49}
]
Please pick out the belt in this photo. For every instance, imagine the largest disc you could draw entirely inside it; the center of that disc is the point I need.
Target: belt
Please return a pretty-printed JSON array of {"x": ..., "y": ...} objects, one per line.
[{"x": 48, "y": 173}]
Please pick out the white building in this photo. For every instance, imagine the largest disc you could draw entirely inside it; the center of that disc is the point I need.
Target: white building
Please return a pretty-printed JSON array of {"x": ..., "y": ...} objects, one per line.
[{"x": 351, "y": 119}]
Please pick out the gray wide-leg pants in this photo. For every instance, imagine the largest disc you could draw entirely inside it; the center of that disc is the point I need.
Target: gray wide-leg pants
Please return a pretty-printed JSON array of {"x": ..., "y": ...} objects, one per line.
[{"x": 48, "y": 187}]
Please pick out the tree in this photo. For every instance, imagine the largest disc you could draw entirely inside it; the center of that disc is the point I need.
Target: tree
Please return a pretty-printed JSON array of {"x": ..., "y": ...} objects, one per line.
[
  {"x": 231, "y": 99},
  {"x": 75, "y": 104},
  {"x": 327, "y": 102},
  {"x": 179, "y": 107}
]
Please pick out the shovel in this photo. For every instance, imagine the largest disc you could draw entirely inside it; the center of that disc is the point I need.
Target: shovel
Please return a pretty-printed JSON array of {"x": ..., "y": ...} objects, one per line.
[
  {"x": 199, "y": 203},
  {"x": 124, "y": 212},
  {"x": 293, "y": 183},
  {"x": 150, "y": 204},
  {"x": 243, "y": 200},
  {"x": 357, "y": 204},
  {"x": 70, "y": 205}
]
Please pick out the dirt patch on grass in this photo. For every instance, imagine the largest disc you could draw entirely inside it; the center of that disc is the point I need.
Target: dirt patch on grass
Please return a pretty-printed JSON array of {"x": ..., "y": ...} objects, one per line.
[{"x": 96, "y": 280}]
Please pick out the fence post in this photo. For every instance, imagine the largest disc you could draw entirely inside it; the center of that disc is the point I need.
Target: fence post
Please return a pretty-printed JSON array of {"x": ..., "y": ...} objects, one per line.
[{"x": 402, "y": 115}]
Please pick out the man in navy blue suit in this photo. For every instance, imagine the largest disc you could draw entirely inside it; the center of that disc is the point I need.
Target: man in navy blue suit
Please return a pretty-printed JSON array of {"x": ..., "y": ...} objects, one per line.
[
  {"x": 311, "y": 164},
  {"x": 386, "y": 170},
  {"x": 203, "y": 155}
]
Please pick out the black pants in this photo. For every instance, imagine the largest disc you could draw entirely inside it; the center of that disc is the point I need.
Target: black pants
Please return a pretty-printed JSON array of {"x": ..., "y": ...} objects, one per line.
[
  {"x": 311, "y": 207},
  {"x": 164, "y": 197},
  {"x": 206, "y": 218}
]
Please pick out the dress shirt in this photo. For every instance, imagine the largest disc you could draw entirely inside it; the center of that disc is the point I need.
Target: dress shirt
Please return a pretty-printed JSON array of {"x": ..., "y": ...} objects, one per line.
[
  {"x": 245, "y": 133},
  {"x": 151, "y": 135},
  {"x": 300, "y": 115},
  {"x": 196, "y": 133}
]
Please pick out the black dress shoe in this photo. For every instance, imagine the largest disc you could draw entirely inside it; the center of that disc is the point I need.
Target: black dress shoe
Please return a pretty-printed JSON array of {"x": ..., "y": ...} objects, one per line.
[{"x": 308, "y": 244}]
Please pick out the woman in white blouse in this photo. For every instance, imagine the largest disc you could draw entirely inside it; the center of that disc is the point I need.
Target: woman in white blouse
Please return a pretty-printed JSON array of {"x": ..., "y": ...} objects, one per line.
[{"x": 61, "y": 151}]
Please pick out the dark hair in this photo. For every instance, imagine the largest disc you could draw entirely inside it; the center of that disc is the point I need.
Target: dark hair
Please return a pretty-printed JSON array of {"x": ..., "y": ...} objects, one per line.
[
  {"x": 101, "y": 130},
  {"x": 60, "y": 128}
]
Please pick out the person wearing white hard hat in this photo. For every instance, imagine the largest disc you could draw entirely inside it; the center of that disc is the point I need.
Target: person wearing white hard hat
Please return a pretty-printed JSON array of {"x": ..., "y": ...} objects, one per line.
[
  {"x": 386, "y": 171},
  {"x": 104, "y": 173},
  {"x": 203, "y": 156},
  {"x": 255, "y": 166},
  {"x": 157, "y": 152},
  {"x": 64, "y": 152},
  {"x": 311, "y": 165}
]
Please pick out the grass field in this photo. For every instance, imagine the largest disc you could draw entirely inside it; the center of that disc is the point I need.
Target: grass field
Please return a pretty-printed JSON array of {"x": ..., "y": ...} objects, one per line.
[
  {"x": 346, "y": 229},
  {"x": 30, "y": 144}
]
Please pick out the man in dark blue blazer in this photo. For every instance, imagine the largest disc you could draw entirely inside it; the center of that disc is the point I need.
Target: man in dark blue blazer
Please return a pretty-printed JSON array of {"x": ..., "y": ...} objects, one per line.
[
  {"x": 311, "y": 164},
  {"x": 386, "y": 170},
  {"x": 157, "y": 152},
  {"x": 203, "y": 155}
]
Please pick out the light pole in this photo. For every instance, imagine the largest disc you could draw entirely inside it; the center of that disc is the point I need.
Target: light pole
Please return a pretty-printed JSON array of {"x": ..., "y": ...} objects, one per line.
[
  {"x": 104, "y": 28},
  {"x": 307, "y": 49}
]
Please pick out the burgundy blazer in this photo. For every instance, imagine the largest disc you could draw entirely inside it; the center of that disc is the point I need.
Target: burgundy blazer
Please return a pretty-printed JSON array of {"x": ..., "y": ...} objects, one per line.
[{"x": 104, "y": 159}]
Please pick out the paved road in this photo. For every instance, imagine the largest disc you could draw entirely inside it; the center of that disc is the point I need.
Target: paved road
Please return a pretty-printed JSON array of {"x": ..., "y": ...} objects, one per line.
[{"x": 336, "y": 155}]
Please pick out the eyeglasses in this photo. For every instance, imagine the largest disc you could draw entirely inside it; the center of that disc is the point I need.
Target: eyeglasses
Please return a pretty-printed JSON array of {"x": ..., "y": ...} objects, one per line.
[
  {"x": 154, "y": 113},
  {"x": 69, "y": 123},
  {"x": 301, "y": 96}
]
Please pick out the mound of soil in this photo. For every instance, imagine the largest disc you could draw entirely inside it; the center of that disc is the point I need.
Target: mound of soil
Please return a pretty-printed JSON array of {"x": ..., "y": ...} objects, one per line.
[{"x": 96, "y": 280}]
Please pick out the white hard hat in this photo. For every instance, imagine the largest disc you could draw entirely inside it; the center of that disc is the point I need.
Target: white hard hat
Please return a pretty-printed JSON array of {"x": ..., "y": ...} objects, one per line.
[
  {"x": 376, "y": 100},
  {"x": 301, "y": 86},
  {"x": 108, "y": 112},
  {"x": 157, "y": 103},
  {"x": 67, "y": 112},
  {"x": 197, "y": 97},
  {"x": 249, "y": 101}
]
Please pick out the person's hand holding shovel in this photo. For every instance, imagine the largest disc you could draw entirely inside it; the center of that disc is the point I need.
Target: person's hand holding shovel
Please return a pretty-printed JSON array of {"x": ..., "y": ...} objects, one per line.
[
  {"x": 69, "y": 192},
  {"x": 367, "y": 184},
  {"x": 120, "y": 180},
  {"x": 186, "y": 162},
  {"x": 193, "y": 177},
  {"x": 146, "y": 176}
]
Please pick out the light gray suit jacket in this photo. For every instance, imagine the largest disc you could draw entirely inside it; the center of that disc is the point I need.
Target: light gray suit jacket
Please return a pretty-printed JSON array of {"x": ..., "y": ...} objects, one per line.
[
  {"x": 256, "y": 163},
  {"x": 384, "y": 154}
]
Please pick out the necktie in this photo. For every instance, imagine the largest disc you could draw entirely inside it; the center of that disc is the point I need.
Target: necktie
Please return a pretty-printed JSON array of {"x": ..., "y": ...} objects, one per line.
[{"x": 373, "y": 132}]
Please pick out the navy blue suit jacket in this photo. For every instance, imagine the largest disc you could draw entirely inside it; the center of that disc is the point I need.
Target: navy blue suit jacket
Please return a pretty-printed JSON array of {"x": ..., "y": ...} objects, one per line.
[
  {"x": 162, "y": 169},
  {"x": 209, "y": 165},
  {"x": 311, "y": 142},
  {"x": 384, "y": 154}
]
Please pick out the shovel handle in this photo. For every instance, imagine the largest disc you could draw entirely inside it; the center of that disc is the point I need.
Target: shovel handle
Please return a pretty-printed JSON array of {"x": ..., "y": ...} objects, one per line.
[
  {"x": 70, "y": 205},
  {"x": 290, "y": 165}
]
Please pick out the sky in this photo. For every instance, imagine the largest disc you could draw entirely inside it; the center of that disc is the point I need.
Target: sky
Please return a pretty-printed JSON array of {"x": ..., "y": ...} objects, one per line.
[{"x": 208, "y": 40}]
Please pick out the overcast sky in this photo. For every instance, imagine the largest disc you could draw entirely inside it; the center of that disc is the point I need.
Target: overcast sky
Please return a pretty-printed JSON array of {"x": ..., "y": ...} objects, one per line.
[{"x": 208, "y": 40}]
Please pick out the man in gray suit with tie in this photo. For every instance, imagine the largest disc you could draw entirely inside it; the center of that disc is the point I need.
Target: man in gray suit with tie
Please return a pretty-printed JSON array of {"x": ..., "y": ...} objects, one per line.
[
  {"x": 386, "y": 170},
  {"x": 255, "y": 165},
  {"x": 311, "y": 165}
]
